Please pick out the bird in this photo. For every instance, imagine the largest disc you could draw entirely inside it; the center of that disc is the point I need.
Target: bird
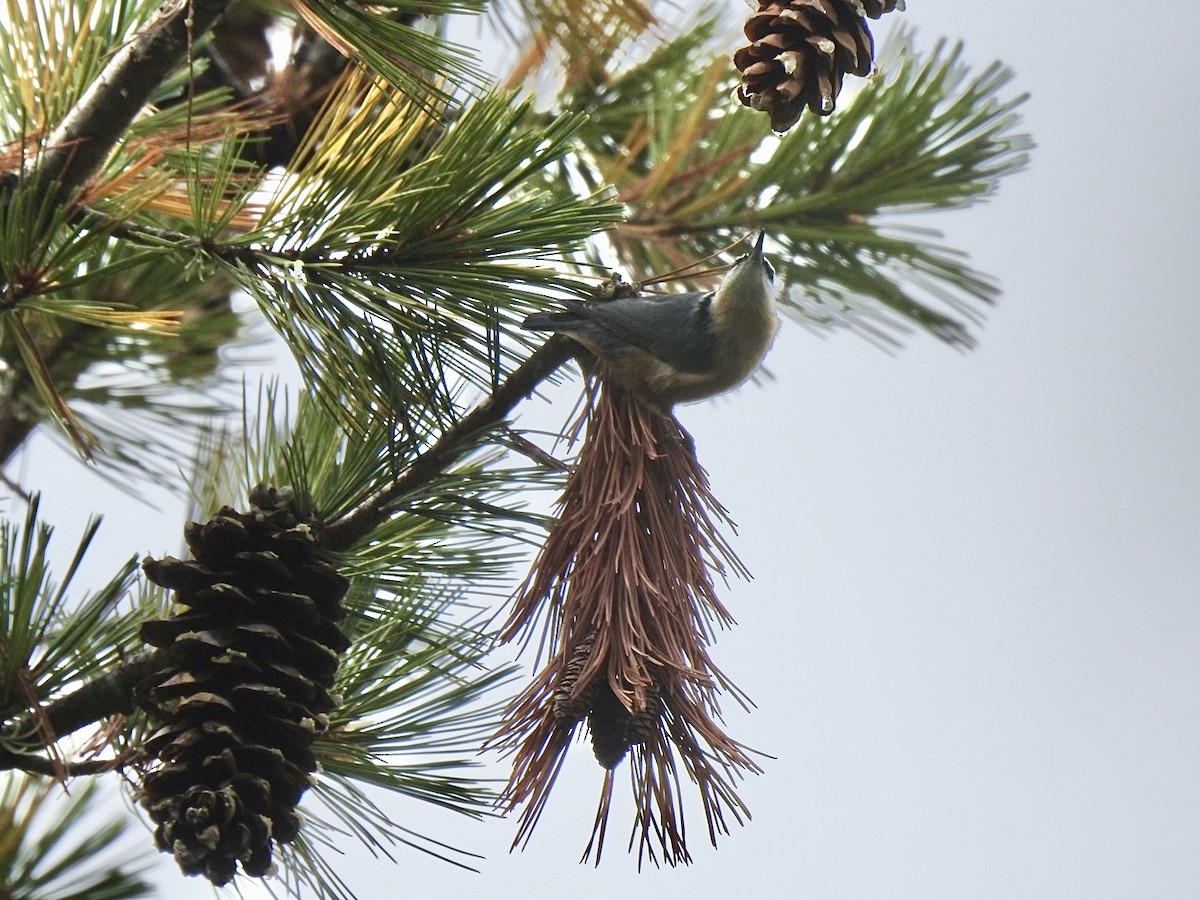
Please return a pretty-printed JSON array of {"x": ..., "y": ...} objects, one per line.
[{"x": 678, "y": 348}]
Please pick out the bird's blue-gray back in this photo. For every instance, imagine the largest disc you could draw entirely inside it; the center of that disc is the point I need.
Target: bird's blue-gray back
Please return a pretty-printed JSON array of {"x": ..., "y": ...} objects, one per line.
[{"x": 671, "y": 327}]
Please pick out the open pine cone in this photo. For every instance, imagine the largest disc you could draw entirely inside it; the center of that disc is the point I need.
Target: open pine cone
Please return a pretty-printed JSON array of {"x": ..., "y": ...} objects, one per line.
[
  {"x": 238, "y": 701},
  {"x": 800, "y": 52}
]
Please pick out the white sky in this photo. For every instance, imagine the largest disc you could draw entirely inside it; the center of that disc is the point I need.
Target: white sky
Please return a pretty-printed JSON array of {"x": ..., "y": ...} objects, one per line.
[{"x": 973, "y": 636}]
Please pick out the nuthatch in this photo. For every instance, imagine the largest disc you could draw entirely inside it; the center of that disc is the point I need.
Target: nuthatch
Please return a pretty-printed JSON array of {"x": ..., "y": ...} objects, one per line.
[{"x": 678, "y": 348}]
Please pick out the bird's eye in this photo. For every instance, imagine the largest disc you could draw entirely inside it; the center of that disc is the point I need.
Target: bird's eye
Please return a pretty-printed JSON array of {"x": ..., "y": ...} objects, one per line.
[{"x": 770, "y": 271}]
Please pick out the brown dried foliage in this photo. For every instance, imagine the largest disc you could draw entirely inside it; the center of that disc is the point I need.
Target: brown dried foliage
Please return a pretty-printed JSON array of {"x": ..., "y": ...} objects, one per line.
[{"x": 623, "y": 593}]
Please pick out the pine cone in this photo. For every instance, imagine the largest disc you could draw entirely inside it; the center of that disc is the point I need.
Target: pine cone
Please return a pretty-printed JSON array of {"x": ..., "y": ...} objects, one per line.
[
  {"x": 614, "y": 728},
  {"x": 570, "y": 705},
  {"x": 642, "y": 723},
  {"x": 876, "y": 8},
  {"x": 247, "y": 686},
  {"x": 801, "y": 51}
]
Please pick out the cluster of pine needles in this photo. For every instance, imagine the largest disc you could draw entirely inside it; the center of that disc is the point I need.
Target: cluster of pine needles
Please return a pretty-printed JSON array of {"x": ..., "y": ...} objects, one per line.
[{"x": 623, "y": 601}]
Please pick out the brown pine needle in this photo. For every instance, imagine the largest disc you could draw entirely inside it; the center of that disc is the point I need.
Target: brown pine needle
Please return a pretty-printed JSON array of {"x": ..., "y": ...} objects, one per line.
[{"x": 623, "y": 592}]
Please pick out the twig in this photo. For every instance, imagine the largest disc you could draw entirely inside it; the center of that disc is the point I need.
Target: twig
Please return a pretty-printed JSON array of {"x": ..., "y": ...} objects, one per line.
[
  {"x": 529, "y": 449},
  {"x": 41, "y": 765},
  {"x": 363, "y": 519},
  {"x": 156, "y": 236},
  {"x": 108, "y": 693},
  {"x": 17, "y": 490}
]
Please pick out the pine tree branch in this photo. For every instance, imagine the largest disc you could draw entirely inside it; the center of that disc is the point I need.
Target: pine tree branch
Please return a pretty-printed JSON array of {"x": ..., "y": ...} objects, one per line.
[
  {"x": 80, "y": 143},
  {"x": 78, "y": 146},
  {"x": 41, "y": 765},
  {"x": 107, "y": 694},
  {"x": 351, "y": 528},
  {"x": 156, "y": 236},
  {"x": 112, "y": 691}
]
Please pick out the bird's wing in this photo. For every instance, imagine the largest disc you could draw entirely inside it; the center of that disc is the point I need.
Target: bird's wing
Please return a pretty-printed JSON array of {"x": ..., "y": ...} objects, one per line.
[{"x": 672, "y": 327}]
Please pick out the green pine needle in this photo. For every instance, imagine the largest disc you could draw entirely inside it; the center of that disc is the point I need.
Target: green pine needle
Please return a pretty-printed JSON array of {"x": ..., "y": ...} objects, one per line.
[
  {"x": 835, "y": 194},
  {"x": 70, "y": 856},
  {"x": 51, "y": 638},
  {"x": 412, "y": 59},
  {"x": 393, "y": 265}
]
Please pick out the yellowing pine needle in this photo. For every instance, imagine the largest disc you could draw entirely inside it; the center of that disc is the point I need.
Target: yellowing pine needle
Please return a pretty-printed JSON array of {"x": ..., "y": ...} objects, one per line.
[{"x": 162, "y": 323}]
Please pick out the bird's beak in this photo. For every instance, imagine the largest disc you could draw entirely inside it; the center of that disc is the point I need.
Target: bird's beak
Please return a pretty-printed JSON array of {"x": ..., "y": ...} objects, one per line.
[{"x": 758, "y": 245}]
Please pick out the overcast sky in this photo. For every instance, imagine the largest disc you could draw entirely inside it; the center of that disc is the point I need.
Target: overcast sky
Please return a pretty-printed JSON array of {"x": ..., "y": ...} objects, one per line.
[{"x": 973, "y": 636}]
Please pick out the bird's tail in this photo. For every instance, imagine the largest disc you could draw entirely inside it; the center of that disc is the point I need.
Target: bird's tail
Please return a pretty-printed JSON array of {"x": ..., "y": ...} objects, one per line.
[{"x": 549, "y": 321}]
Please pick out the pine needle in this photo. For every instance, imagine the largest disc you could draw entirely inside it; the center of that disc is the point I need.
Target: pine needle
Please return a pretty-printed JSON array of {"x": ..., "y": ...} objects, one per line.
[{"x": 623, "y": 591}]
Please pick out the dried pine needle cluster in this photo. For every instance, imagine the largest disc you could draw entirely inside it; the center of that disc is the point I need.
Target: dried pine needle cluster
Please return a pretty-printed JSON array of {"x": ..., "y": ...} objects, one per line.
[
  {"x": 625, "y": 586},
  {"x": 801, "y": 50}
]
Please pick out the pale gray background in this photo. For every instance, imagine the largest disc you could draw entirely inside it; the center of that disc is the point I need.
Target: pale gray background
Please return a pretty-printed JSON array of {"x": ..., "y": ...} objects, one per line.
[{"x": 974, "y": 636}]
